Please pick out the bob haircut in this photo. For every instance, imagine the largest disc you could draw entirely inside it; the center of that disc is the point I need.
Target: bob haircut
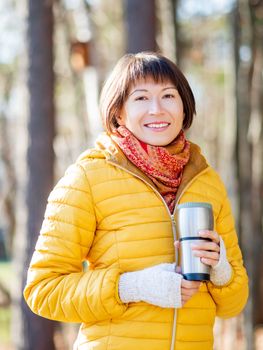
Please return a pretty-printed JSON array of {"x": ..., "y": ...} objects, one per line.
[{"x": 133, "y": 67}]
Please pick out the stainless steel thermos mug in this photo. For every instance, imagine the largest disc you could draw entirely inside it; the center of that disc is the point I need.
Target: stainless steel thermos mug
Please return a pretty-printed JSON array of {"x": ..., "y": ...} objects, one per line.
[{"x": 190, "y": 218}]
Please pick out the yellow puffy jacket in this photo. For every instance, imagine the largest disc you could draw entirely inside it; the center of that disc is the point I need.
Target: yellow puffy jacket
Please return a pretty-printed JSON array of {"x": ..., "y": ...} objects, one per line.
[{"x": 108, "y": 213}]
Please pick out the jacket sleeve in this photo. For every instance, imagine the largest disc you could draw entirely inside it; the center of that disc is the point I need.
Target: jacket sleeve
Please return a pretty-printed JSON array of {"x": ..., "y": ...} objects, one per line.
[
  {"x": 57, "y": 287},
  {"x": 231, "y": 298}
]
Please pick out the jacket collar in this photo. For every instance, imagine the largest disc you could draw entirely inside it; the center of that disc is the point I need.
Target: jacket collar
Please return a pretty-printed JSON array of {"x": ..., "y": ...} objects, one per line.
[
  {"x": 196, "y": 164},
  {"x": 114, "y": 155}
]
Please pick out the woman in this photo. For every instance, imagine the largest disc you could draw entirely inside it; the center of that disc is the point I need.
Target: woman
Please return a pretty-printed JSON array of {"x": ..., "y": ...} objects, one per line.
[{"x": 114, "y": 208}]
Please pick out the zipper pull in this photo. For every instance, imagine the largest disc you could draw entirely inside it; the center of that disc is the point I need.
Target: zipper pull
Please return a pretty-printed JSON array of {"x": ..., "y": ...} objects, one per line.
[
  {"x": 175, "y": 238},
  {"x": 173, "y": 227}
]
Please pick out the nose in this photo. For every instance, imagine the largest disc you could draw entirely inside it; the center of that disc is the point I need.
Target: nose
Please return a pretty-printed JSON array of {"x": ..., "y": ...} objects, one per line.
[{"x": 155, "y": 106}]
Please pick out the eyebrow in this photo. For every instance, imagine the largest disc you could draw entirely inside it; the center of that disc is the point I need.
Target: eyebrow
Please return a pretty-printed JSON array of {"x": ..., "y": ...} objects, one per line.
[{"x": 145, "y": 90}]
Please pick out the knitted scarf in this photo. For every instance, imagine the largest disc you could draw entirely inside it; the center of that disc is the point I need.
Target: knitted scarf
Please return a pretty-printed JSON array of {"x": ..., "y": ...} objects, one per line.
[{"x": 163, "y": 165}]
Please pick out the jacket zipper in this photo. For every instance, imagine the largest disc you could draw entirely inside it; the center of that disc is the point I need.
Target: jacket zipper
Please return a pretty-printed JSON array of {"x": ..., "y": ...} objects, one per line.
[
  {"x": 172, "y": 347},
  {"x": 173, "y": 226}
]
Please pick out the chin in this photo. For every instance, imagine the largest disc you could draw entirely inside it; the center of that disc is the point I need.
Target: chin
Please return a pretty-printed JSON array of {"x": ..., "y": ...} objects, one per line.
[{"x": 159, "y": 144}]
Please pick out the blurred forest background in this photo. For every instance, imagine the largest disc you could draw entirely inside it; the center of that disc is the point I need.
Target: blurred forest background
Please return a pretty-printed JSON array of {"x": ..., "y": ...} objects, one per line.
[{"x": 54, "y": 56}]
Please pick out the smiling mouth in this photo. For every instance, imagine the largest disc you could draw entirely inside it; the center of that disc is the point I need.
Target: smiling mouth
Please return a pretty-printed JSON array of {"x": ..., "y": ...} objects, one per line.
[{"x": 159, "y": 125}]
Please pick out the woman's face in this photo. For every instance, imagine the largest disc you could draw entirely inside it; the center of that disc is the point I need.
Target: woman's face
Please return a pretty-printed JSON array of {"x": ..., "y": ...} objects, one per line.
[{"x": 153, "y": 112}]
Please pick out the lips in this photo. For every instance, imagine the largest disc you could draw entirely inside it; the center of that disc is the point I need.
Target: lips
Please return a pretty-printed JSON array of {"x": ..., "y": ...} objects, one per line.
[{"x": 158, "y": 125}]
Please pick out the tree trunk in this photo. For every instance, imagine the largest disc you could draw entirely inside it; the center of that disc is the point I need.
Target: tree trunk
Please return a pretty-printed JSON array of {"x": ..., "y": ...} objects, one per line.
[
  {"x": 243, "y": 41},
  {"x": 140, "y": 25},
  {"x": 9, "y": 187},
  {"x": 177, "y": 34},
  {"x": 256, "y": 138},
  {"x": 37, "y": 331}
]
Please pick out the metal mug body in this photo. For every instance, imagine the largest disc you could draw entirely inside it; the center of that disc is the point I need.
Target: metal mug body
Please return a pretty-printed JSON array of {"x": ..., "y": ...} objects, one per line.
[{"x": 190, "y": 218}]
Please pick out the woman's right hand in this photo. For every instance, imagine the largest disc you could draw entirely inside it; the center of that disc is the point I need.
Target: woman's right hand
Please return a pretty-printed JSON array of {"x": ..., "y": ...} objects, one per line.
[
  {"x": 158, "y": 285},
  {"x": 188, "y": 289},
  {"x": 161, "y": 285}
]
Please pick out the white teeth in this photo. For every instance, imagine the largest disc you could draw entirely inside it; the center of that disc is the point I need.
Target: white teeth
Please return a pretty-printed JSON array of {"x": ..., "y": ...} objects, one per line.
[{"x": 159, "y": 125}]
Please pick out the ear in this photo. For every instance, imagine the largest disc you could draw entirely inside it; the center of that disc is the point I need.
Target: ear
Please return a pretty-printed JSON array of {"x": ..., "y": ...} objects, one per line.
[{"x": 121, "y": 119}]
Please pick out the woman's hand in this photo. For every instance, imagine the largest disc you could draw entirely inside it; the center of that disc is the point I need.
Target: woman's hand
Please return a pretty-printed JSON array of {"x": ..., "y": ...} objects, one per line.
[
  {"x": 158, "y": 285},
  {"x": 208, "y": 251},
  {"x": 188, "y": 289}
]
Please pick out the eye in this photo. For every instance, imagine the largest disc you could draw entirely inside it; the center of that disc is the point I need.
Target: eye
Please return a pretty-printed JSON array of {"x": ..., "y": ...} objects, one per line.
[
  {"x": 140, "y": 98},
  {"x": 169, "y": 96}
]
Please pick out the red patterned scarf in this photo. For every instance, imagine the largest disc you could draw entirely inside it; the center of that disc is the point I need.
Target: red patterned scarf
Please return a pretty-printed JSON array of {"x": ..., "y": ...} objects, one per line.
[{"x": 163, "y": 165}]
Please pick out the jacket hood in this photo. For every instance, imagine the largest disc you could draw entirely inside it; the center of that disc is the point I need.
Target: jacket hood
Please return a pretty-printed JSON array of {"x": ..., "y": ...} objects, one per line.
[{"x": 103, "y": 148}]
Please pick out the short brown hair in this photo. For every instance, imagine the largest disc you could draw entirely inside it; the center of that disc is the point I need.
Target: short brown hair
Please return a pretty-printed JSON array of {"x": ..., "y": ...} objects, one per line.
[{"x": 133, "y": 67}]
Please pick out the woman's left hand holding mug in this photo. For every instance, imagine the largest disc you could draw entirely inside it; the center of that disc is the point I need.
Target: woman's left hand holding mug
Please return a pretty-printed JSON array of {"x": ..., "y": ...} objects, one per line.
[{"x": 208, "y": 251}]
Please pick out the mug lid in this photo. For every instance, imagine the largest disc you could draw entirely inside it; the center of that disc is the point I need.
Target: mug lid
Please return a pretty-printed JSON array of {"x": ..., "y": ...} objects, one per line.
[{"x": 195, "y": 205}]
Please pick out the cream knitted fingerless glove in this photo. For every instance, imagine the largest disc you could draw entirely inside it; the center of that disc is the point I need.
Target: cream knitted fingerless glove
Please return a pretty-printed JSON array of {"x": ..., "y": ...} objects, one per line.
[
  {"x": 221, "y": 273},
  {"x": 159, "y": 285}
]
